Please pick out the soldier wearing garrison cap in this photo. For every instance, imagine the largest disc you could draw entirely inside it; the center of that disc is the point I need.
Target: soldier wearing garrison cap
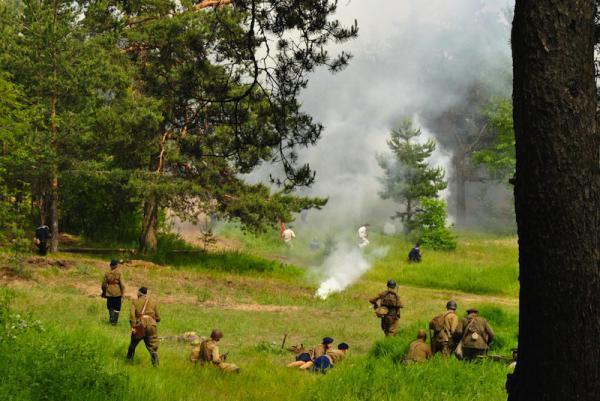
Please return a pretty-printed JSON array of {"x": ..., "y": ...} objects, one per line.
[
  {"x": 387, "y": 305},
  {"x": 475, "y": 334},
  {"x": 144, "y": 318},
  {"x": 113, "y": 289}
]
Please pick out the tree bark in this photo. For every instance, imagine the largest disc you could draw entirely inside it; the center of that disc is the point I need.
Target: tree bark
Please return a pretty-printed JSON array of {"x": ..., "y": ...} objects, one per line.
[
  {"x": 557, "y": 201},
  {"x": 54, "y": 178},
  {"x": 149, "y": 237}
]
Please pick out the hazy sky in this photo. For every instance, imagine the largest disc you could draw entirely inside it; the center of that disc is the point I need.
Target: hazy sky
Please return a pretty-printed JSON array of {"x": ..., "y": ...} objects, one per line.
[{"x": 411, "y": 57}]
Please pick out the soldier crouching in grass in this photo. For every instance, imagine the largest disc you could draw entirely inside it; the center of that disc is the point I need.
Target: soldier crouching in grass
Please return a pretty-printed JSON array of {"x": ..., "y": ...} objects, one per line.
[
  {"x": 113, "y": 289},
  {"x": 418, "y": 350},
  {"x": 144, "y": 317},
  {"x": 209, "y": 353}
]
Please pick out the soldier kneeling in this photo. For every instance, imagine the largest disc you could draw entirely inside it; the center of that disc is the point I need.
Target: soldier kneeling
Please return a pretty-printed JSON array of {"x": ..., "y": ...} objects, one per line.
[{"x": 209, "y": 353}]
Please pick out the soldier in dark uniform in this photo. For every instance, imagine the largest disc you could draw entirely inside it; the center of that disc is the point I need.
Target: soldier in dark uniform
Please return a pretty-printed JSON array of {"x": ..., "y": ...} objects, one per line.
[
  {"x": 415, "y": 254},
  {"x": 388, "y": 304},
  {"x": 42, "y": 235}
]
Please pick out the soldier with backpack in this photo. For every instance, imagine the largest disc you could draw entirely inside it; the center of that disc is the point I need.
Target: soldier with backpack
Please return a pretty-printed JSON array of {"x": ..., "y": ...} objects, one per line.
[
  {"x": 387, "y": 307},
  {"x": 475, "y": 335},
  {"x": 443, "y": 328}
]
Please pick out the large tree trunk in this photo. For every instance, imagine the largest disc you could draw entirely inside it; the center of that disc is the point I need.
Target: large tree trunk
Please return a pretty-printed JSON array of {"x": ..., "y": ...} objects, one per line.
[
  {"x": 557, "y": 201},
  {"x": 149, "y": 237}
]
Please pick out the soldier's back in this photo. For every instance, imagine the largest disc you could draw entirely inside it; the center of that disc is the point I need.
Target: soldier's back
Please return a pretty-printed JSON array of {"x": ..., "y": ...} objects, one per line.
[{"x": 418, "y": 351}]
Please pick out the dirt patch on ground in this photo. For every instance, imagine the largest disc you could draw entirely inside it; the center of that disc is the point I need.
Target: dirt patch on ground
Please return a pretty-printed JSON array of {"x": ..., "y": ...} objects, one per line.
[
  {"x": 213, "y": 243},
  {"x": 252, "y": 307}
]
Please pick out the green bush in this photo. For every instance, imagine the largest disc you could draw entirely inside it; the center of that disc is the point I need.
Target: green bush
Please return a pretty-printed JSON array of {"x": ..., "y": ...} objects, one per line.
[{"x": 430, "y": 225}]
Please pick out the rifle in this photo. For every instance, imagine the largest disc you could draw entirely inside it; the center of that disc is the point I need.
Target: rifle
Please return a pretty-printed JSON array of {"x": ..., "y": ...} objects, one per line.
[{"x": 497, "y": 358}]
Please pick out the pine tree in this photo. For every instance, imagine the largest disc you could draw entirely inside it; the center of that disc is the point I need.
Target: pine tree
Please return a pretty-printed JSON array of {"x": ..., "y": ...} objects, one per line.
[{"x": 408, "y": 177}]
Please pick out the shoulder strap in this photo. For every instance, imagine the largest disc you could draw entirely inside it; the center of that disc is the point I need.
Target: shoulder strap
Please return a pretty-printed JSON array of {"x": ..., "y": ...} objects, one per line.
[
  {"x": 467, "y": 328},
  {"x": 145, "y": 304}
]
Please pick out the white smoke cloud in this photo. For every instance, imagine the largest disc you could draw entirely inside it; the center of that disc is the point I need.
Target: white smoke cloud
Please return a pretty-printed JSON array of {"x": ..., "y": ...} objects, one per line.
[
  {"x": 412, "y": 58},
  {"x": 344, "y": 266}
]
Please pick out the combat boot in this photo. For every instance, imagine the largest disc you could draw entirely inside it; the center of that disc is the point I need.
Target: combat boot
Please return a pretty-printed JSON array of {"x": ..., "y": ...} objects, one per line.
[
  {"x": 110, "y": 316},
  {"x": 154, "y": 359},
  {"x": 115, "y": 317}
]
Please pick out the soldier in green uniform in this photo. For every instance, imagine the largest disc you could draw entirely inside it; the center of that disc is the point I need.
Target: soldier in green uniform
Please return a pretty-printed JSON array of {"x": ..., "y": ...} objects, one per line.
[
  {"x": 113, "y": 289},
  {"x": 387, "y": 306},
  {"x": 418, "y": 350},
  {"x": 143, "y": 318},
  {"x": 444, "y": 328},
  {"x": 209, "y": 353},
  {"x": 475, "y": 334}
]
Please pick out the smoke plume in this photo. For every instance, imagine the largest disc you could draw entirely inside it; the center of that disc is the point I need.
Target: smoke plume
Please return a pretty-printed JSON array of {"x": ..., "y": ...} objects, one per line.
[{"x": 344, "y": 266}]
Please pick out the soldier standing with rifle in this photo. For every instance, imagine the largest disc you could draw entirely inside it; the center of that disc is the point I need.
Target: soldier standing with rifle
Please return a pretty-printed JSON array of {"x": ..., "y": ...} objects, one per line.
[
  {"x": 113, "y": 289},
  {"x": 387, "y": 307}
]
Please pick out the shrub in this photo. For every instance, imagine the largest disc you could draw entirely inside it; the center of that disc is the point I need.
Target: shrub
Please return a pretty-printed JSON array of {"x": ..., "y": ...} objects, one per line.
[{"x": 430, "y": 225}]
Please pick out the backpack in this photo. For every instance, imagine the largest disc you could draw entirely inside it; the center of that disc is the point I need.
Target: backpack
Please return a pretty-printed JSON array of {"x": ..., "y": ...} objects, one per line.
[
  {"x": 390, "y": 299},
  {"x": 437, "y": 324}
]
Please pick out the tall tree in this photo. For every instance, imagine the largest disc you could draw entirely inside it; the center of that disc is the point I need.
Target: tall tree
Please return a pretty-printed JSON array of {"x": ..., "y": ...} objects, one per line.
[
  {"x": 557, "y": 198},
  {"x": 67, "y": 77},
  {"x": 463, "y": 129},
  {"x": 407, "y": 175},
  {"x": 227, "y": 75}
]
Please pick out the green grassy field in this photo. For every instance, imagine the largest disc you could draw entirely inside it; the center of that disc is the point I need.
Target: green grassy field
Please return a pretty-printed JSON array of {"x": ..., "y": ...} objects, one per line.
[{"x": 255, "y": 302}]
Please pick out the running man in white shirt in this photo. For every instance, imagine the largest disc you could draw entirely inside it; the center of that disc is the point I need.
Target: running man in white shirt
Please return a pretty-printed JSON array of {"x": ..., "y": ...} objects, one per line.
[
  {"x": 363, "y": 236},
  {"x": 288, "y": 236}
]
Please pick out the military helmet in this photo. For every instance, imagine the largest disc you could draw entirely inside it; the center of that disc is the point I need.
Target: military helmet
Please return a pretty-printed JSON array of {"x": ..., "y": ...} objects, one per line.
[
  {"x": 327, "y": 340},
  {"x": 216, "y": 334},
  {"x": 451, "y": 305},
  {"x": 343, "y": 346},
  {"x": 472, "y": 310},
  {"x": 391, "y": 284},
  {"x": 114, "y": 262}
]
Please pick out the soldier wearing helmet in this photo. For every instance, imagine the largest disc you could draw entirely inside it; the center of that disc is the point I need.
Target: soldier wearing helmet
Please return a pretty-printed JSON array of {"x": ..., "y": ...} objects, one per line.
[
  {"x": 387, "y": 306},
  {"x": 209, "y": 353},
  {"x": 443, "y": 329}
]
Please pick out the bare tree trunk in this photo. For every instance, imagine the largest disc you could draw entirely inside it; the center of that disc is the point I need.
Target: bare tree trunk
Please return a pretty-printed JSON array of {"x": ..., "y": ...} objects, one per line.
[
  {"x": 54, "y": 140},
  {"x": 557, "y": 201},
  {"x": 149, "y": 237},
  {"x": 54, "y": 184}
]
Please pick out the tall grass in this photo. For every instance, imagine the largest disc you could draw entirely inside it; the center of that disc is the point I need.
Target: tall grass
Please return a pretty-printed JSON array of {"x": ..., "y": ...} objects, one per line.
[{"x": 488, "y": 266}]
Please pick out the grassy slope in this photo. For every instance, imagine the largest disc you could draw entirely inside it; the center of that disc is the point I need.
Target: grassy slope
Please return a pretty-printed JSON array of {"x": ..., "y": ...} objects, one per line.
[{"x": 255, "y": 307}]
